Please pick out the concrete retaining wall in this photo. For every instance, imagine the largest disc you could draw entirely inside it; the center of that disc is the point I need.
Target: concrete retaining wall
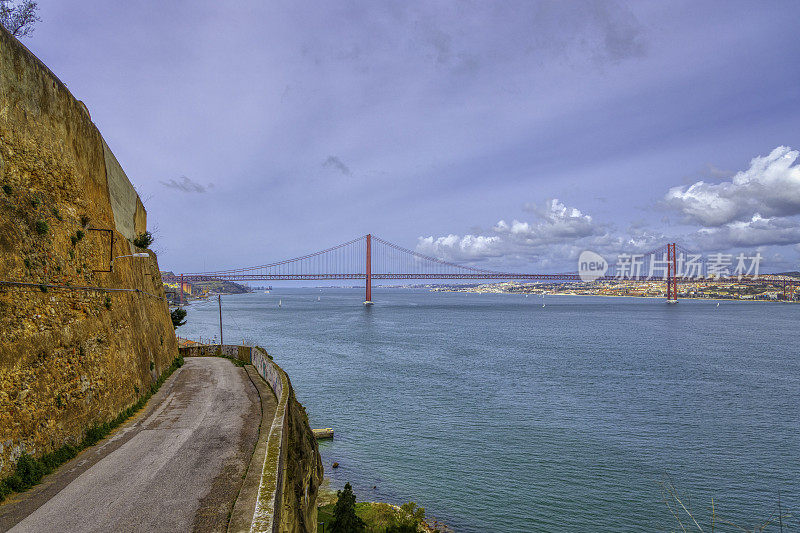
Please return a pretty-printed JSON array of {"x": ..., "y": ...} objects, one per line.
[{"x": 267, "y": 516}]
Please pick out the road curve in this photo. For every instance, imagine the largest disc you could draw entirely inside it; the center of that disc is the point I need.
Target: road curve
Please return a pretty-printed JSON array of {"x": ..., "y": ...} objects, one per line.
[{"x": 178, "y": 467}]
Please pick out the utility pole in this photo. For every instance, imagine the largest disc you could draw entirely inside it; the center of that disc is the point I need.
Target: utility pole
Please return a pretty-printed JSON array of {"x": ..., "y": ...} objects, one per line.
[{"x": 219, "y": 299}]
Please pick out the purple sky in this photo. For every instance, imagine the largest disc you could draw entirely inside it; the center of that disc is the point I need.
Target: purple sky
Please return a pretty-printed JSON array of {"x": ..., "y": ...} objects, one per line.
[{"x": 503, "y": 134}]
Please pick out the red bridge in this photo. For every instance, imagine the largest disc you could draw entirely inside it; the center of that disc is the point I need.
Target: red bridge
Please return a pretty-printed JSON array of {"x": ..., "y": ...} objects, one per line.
[{"x": 372, "y": 258}]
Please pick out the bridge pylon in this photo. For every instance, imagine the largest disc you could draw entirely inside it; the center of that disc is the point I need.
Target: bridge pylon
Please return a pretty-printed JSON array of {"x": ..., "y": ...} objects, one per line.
[
  {"x": 368, "y": 276},
  {"x": 672, "y": 274}
]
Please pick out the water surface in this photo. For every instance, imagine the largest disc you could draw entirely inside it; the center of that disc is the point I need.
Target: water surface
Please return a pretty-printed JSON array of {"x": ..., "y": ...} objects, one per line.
[{"x": 498, "y": 414}]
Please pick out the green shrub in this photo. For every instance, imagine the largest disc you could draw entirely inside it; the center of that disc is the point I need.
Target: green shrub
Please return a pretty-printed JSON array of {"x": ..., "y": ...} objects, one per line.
[
  {"x": 28, "y": 473},
  {"x": 35, "y": 202},
  {"x": 107, "y": 302},
  {"x": 84, "y": 220},
  {"x": 7, "y": 189},
  {"x": 41, "y": 227},
  {"x": 143, "y": 240},
  {"x": 57, "y": 214}
]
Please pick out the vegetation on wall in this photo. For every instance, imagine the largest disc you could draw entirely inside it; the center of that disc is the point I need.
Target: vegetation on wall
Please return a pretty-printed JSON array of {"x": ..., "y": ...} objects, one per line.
[{"x": 143, "y": 240}]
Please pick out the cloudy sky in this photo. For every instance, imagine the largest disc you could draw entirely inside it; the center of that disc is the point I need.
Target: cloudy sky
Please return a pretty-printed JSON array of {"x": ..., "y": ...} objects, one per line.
[{"x": 503, "y": 134}]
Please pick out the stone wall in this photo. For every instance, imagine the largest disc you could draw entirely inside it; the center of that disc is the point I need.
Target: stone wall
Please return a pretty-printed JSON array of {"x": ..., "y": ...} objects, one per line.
[
  {"x": 293, "y": 469},
  {"x": 72, "y": 354}
]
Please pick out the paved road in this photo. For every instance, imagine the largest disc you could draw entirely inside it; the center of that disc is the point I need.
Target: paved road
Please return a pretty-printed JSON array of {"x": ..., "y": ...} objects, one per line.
[{"x": 178, "y": 467}]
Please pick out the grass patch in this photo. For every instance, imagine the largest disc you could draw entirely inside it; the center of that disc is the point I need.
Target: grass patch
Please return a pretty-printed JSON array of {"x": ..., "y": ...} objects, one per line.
[
  {"x": 378, "y": 517},
  {"x": 236, "y": 362},
  {"x": 30, "y": 470}
]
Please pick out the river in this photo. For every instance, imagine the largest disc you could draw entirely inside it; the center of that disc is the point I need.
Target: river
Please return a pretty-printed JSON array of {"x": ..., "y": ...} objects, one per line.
[{"x": 498, "y": 414}]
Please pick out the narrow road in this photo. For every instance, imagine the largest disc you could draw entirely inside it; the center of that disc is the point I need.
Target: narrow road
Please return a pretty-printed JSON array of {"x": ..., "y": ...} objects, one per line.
[{"x": 177, "y": 467}]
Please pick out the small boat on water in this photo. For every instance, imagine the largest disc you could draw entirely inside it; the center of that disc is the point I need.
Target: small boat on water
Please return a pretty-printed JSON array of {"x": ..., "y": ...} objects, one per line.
[{"x": 280, "y": 303}]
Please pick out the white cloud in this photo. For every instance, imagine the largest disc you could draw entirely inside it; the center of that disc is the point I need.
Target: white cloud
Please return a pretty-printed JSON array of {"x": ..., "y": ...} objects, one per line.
[
  {"x": 466, "y": 248},
  {"x": 558, "y": 230},
  {"x": 770, "y": 188},
  {"x": 757, "y": 231}
]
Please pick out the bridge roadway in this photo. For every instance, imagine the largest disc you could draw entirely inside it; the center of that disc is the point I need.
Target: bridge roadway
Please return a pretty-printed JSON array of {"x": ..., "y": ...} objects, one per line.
[{"x": 177, "y": 466}]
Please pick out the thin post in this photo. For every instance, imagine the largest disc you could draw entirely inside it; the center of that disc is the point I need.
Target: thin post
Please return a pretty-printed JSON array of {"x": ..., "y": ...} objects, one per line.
[
  {"x": 219, "y": 299},
  {"x": 368, "y": 300},
  {"x": 181, "y": 290}
]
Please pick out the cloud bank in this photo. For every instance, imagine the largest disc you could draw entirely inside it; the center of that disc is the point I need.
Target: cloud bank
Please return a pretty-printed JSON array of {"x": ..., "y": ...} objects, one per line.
[
  {"x": 770, "y": 188},
  {"x": 756, "y": 208}
]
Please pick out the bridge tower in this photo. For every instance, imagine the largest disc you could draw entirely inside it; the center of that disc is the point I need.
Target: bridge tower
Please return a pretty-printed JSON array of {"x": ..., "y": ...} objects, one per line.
[
  {"x": 368, "y": 299},
  {"x": 672, "y": 274}
]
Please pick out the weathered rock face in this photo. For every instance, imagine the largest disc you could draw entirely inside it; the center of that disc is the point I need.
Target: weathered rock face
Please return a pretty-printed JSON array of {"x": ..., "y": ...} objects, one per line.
[
  {"x": 69, "y": 358},
  {"x": 302, "y": 474}
]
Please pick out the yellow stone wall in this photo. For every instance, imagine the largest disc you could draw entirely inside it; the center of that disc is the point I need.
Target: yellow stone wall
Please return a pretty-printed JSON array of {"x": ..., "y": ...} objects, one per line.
[{"x": 69, "y": 359}]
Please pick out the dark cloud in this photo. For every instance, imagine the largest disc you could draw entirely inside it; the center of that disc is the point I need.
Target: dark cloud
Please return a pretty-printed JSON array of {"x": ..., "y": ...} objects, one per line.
[
  {"x": 622, "y": 35},
  {"x": 337, "y": 164},
  {"x": 184, "y": 184}
]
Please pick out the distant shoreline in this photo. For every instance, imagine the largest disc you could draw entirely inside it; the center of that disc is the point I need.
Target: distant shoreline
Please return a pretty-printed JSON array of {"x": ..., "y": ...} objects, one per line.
[{"x": 743, "y": 300}]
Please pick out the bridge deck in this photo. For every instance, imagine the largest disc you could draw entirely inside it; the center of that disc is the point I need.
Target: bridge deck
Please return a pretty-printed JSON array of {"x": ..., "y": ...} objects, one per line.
[{"x": 177, "y": 466}]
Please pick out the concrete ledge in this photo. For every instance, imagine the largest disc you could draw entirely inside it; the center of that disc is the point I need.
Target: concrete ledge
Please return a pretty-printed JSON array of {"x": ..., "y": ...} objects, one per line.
[
  {"x": 244, "y": 508},
  {"x": 266, "y": 517}
]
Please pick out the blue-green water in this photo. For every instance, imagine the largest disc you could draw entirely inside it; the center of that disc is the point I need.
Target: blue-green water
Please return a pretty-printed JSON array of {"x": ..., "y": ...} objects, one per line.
[{"x": 498, "y": 414}]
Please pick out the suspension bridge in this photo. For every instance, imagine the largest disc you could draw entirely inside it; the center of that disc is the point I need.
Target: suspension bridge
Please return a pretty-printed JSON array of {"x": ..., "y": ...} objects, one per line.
[{"x": 371, "y": 258}]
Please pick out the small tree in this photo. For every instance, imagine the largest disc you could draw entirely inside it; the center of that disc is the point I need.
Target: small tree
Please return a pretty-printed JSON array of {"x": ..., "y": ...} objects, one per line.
[
  {"x": 19, "y": 17},
  {"x": 178, "y": 316},
  {"x": 344, "y": 514}
]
